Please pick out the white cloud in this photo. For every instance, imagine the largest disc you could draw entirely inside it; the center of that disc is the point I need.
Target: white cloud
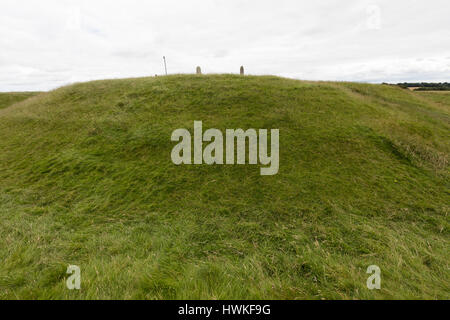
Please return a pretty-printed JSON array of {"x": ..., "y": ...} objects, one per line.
[{"x": 48, "y": 43}]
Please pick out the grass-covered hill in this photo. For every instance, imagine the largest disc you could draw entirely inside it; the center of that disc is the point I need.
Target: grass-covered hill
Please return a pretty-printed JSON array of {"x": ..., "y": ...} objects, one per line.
[
  {"x": 9, "y": 98},
  {"x": 86, "y": 178}
]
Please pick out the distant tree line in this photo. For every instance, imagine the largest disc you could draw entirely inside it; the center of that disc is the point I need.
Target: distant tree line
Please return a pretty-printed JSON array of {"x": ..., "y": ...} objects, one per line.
[{"x": 426, "y": 86}]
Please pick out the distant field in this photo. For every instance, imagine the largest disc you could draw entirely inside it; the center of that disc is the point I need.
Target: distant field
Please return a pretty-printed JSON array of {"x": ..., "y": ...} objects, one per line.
[
  {"x": 442, "y": 97},
  {"x": 9, "y": 98},
  {"x": 86, "y": 178}
]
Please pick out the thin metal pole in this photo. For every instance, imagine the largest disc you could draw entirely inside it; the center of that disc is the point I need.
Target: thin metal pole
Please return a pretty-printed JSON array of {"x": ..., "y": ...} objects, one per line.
[{"x": 165, "y": 65}]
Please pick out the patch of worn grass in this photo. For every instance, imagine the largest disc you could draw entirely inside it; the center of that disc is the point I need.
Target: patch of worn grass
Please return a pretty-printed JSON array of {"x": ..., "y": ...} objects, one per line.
[
  {"x": 86, "y": 178},
  {"x": 9, "y": 98}
]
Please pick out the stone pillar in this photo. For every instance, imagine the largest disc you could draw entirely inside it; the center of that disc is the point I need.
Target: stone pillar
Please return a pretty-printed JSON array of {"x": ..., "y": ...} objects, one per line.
[
  {"x": 242, "y": 70},
  {"x": 199, "y": 70}
]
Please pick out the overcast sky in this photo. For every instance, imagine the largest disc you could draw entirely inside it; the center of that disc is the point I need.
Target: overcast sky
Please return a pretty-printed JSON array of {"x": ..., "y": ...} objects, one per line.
[{"x": 49, "y": 43}]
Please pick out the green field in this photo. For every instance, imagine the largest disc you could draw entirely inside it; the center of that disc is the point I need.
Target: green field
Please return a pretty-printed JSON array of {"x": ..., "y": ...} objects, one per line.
[
  {"x": 439, "y": 97},
  {"x": 9, "y": 98},
  {"x": 86, "y": 178}
]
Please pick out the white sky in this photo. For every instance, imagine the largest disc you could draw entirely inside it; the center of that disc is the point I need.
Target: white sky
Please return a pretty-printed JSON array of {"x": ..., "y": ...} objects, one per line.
[{"x": 49, "y": 43}]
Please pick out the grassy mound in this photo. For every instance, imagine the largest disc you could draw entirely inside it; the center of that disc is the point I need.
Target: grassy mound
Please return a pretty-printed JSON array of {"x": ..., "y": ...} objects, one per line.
[{"x": 86, "y": 178}]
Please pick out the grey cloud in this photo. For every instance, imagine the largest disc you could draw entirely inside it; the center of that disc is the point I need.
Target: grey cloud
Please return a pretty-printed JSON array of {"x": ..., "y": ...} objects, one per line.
[{"x": 52, "y": 42}]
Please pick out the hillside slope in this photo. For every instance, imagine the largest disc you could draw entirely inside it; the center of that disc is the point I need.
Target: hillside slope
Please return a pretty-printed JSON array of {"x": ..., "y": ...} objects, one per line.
[
  {"x": 86, "y": 178},
  {"x": 9, "y": 98},
  {"x": 439, "y": 97}
]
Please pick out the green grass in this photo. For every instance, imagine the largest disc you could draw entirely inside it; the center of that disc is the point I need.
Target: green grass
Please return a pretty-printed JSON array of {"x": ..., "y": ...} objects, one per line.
[
  {"x": 440, "y": 97},
  {"x": 9, "y": 98},
  {"x": 86, "y": 178}
]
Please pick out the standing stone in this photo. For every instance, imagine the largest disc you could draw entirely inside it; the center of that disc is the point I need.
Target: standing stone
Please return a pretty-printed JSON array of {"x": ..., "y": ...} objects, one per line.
[
  {"x": 242, "y": 70},
  {"x": 199, "y": 70}
]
